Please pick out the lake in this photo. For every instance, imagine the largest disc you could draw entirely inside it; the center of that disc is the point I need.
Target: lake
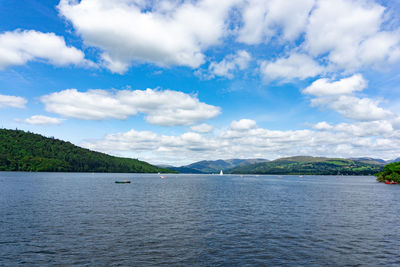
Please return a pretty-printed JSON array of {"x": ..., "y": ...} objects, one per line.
[{"x": 69, "y": 219}]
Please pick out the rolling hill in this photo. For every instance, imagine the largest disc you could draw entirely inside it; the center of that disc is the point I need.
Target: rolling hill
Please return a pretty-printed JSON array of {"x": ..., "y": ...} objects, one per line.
[
  {"x": 311, "y": 165},
  {"x": 214, "y": 166},
  {"x": 24, "y": 151}
]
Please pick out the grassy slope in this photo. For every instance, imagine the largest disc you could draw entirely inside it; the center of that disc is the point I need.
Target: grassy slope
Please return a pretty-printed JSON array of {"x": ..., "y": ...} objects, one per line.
[
  {"x": 310, "y": 165},
  {"x": 24, "y": 151}
]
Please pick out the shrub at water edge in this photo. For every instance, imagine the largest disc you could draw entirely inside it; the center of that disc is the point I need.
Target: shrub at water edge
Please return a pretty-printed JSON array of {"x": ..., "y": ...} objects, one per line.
[{"x": 391, "y": 172}]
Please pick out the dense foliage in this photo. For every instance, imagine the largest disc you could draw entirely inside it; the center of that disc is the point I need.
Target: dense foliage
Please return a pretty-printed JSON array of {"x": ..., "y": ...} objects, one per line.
[
  {"x": 24, "y": 151},
  {"x": 391, "y": 172},
  {"x": 310, "y": 166}
]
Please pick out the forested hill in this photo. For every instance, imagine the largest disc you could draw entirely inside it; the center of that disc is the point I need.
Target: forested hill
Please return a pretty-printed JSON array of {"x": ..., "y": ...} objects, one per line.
[
  {"x": 24, "y": 151},
  {"x": 312, "y": 166}
]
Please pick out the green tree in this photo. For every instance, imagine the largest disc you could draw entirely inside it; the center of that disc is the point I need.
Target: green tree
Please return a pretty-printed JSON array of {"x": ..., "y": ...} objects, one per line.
[{"x": 25, "y": 151}]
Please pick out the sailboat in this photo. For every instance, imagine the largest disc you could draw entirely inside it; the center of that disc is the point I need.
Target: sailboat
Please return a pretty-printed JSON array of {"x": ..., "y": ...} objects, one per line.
[{"x": 221, "y": 173}]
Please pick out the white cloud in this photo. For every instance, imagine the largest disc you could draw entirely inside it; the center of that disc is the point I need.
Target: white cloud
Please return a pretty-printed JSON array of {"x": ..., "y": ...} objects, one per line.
[
  {"x": 12, "y": 101},
  {"x": 165, "y": 33},
  {"x": 142, "y": 143},
  {"x": 339, "y": 96},
  {"x": 296, "y": 65},
  {"x": 361, "y": 109},
  {"x": 344, "y": 34},
  {"x": 382, "y": 47},
  {"x": 350, "y": 33},
  {"x": 90, "y": 105},
  {"x": 322, "y": 87},
  {"x": 42, "y": 120},
  {"x": 202, "y": 128},
  {"x": 131, "y": 140},
  {"x": 18, "y": 47},
  {"x": 229, "y": 64},
  {"x": 243, "y": 125},
  {"x": 323, "y": 125},
  {"x": 167, "y": 108},
  {"x": 341, "y": 25},
  {"x": 264, "y": 19},
  {"x": 360, "y": 129},
  {"x": 372, "y": 139}
]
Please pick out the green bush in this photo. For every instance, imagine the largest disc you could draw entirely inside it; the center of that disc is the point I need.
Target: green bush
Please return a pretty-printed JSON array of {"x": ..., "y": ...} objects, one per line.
[
  {"x": 394, "y": 177},
  {"x": 391, "y": 172}
]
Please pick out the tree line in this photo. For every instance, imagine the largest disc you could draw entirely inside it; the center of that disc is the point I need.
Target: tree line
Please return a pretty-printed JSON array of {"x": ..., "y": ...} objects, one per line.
[{"x": 25, "y": 151}]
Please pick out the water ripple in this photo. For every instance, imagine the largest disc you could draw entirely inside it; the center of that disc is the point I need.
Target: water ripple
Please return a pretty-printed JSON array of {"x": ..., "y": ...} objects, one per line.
[{"x": 201, "y": 220}]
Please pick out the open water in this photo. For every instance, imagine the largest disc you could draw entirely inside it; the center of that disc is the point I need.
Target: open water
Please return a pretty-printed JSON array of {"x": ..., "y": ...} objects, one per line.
[{"x": 67, "y": 219}]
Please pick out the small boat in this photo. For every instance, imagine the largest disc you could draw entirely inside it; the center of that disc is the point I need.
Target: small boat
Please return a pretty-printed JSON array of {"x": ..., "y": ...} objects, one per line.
[
  {"x": 221, "y": 173},
  {"x": 162, "y": 176},
  {"x": 123, "y": 182},
  {"x": 390, "y": 182}
]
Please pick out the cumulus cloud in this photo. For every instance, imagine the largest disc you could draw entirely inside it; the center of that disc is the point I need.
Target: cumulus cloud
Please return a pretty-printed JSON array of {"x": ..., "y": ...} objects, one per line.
[
  {"x": 322, "y": 87},
  {"x": 202, "y": 128},
  {"x": 164, "y": 33},
  {"x": 167, "y": 108},
  {"x": 142, "y": 142},
  {"x": 264, "y": 19},
  {"x": 360, "y": 129},
  {"x": 243, "y": 125},
  {"x": 361, "y": 109},
  {"x": 229, "y": 64},
  {"x": 42, "y": 120},
  {"x": 323, "y": 125},
  {"x": 339, "y": 35},
  {"x": 343, "y": 34},
  {"x": 18, "y": 47},
  {"x": 298, "y": 66},
  {"x": 341, "y": 140},
  {"x": 12, "y": 101},
  {"x": 350, "y": 34},
  {"x": 339, "y": 96}
]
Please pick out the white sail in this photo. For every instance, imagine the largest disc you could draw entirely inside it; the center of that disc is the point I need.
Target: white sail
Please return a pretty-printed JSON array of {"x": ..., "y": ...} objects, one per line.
[{"x": 221, "y": 173}]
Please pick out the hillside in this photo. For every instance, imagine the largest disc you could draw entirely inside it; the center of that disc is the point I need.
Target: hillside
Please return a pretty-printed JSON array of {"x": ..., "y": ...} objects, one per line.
[
  {"x": 214, "y": 166},
  {"x": 311, "y": 165},
  {"x": 24, "y": 151},
  {"x": 394, "y": 160},
  {"x": 370, "y": 160},
  {"x": 184, "y": 169}
]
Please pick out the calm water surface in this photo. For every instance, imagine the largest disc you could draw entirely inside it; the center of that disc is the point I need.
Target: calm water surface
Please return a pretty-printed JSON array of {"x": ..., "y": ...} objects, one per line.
[{"x": 69, "y": 219}]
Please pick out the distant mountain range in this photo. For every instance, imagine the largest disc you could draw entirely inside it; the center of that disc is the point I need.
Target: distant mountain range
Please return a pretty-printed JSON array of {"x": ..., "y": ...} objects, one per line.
[
  {"x": 394, "y": 160},
  {"x": 290, "y": 165},
  {"x": 214, "y": 166},
  {"x": 372, "y": 160}
]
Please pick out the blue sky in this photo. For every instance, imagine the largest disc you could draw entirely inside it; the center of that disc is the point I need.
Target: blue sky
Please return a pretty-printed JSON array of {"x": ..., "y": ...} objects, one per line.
[{"x": 173, "y": 82}]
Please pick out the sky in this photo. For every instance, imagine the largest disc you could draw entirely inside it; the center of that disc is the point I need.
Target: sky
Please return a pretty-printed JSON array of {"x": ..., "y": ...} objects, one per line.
[{"x": 175, "y": 81}]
